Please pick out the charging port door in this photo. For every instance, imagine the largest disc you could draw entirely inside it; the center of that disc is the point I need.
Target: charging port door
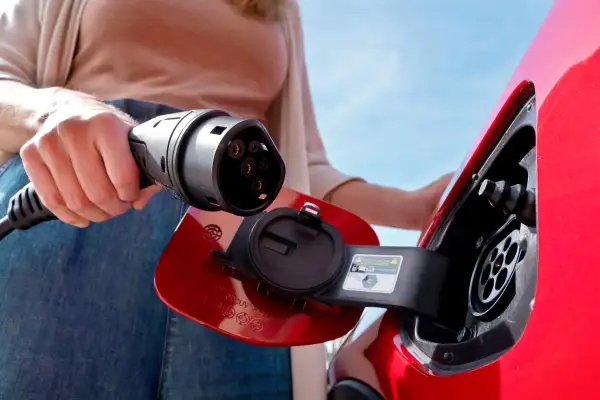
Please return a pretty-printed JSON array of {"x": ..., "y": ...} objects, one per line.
[{"x": 490, "y": 236}]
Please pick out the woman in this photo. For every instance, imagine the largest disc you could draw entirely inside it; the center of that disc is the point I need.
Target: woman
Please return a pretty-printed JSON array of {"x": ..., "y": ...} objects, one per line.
[{"x": 79, "y": 315}]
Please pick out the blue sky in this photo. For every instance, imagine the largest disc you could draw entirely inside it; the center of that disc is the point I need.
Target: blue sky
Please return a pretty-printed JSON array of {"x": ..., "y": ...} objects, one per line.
[{"x": 401, "y": 87}]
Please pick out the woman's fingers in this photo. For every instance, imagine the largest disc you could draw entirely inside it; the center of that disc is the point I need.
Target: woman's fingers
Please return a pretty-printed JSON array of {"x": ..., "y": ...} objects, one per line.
[
  {"x": 89, "y": 167},
  {"x": 46, "y": 187},
  {"x": 81, "y": 165},
  {"x": 111, "y": 140},
  {"x": 145, "y": 196},
  {"x": 58, "y": 160}
]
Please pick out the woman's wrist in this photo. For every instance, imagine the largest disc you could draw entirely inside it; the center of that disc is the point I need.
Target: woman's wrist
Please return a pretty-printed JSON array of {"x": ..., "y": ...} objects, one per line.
[
  {"x": 64, "y": 101},
  {"x": 24, "y": 109},
  {"x": 407, "y": 209}
]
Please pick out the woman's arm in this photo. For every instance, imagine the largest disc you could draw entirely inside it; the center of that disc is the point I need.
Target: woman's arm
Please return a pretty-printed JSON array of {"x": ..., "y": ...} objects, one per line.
[
  {"x": 19, "y": 30},
  {"x": 22, "y": 109},
  {"x": 74, "y": 147},
  {"x": 385, "y": 206}
]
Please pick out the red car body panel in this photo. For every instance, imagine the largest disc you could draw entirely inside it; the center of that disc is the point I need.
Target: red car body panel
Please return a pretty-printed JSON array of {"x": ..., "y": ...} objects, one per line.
[{"x": 557, "y": 353}]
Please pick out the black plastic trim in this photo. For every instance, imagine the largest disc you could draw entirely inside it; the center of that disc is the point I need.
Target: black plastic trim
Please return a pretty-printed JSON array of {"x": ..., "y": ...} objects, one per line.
[{"x": 350, "y": 389}]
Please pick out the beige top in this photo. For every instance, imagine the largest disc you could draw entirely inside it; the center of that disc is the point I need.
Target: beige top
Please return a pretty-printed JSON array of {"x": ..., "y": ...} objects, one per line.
[
  {"x": 190, "y": 54},
  {"x": 210, "y": 58},
  {"x": 38, "y": 46}
]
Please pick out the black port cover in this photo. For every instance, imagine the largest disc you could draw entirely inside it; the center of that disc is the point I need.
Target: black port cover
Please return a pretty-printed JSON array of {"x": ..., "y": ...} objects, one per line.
[
  {"x": 293, "y": 254},
  {"x": 352, "y": 390}
]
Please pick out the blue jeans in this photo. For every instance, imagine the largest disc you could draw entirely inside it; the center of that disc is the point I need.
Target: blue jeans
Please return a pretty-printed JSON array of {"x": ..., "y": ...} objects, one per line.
[{"x": 79, "y": 318}]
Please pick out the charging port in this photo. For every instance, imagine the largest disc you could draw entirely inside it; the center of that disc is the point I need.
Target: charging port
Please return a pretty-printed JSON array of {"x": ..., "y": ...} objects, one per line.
[{"x": 491, "y": 239}]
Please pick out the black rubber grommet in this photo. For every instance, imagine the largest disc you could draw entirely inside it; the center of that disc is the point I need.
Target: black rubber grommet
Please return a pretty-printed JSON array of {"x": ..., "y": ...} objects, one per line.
[
  {"x": 349, "y": 389},
  {"x": 293, "y": 256}
]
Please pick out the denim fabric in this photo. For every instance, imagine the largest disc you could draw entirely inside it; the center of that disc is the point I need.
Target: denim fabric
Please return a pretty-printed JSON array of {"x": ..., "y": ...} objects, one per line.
[{"x": 79, "y": 318}]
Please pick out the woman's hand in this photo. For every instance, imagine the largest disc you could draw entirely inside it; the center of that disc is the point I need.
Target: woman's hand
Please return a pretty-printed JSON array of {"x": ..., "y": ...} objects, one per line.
[
  {"x": 80, "y": 163},
  {"x": 428, "y": 198},
  {"x": 385, "y": 206}
]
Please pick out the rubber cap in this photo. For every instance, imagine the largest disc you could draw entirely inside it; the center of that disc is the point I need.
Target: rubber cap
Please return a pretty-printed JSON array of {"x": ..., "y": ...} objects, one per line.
[{"x": 295, "y": 254}]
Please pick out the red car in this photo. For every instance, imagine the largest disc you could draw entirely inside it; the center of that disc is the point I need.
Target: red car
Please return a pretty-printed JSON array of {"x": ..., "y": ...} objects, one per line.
[{"x": 525, "y": 291}]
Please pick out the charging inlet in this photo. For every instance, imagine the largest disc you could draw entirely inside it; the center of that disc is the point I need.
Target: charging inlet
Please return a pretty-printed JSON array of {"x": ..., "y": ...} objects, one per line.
[{"x": 490, "y": 236}]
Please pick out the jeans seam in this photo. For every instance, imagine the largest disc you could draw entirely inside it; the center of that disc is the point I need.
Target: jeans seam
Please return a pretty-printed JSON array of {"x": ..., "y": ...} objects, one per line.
[
  {"x": 165, "y": 355},
  {"x": 169, "y": 316},
  {"x": 183, "y": 209}
]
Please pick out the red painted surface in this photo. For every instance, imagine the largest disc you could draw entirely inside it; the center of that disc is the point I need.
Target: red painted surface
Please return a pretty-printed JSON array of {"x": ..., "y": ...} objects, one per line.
[
  {"x": 189, "y": 282},
  {"x": 556, "y": 358}
]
